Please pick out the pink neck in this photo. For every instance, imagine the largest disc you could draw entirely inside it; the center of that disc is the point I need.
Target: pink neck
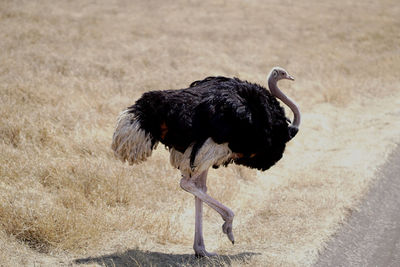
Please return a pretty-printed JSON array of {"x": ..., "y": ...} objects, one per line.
[{"x": 275, "y": 91}]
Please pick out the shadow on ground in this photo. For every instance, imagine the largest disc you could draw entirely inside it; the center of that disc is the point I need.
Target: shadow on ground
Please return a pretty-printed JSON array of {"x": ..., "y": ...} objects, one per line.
[{"x": 135, "y": 257}]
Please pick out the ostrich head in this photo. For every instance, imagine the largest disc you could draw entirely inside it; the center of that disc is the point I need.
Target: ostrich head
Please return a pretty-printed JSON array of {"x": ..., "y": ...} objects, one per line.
[
  {"x": 274, "y": 76},
  {"x": 278, "y": 73}
]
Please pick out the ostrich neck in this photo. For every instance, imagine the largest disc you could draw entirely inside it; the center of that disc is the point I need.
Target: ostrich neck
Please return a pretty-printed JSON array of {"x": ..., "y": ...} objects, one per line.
[{"x": 275, "y": 91}]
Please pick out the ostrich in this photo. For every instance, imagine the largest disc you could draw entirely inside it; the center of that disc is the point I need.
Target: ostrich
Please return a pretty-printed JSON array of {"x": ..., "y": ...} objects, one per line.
[{"x": 213, "y": 122}]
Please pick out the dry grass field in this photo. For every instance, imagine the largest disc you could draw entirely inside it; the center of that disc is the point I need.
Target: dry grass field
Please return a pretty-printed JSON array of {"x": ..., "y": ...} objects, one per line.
[{"x": 67, "y": 68}]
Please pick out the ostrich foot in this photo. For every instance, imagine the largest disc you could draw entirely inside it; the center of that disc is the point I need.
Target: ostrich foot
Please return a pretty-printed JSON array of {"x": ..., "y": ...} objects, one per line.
[
  {"x": 227, "y": 229},
  {"x": 201, "y": 251}
]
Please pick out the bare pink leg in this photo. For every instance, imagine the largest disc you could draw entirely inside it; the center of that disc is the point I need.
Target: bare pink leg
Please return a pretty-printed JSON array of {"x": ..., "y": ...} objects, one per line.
[
  {"x": 192, "y": 185},
  {"x": 198, "y": 245}
]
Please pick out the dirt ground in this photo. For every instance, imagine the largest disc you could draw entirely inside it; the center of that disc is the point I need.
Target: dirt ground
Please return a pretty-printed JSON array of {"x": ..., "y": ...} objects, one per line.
[
  {"x": 69, "y": 67},
  {"x": 371, "y": 236}
]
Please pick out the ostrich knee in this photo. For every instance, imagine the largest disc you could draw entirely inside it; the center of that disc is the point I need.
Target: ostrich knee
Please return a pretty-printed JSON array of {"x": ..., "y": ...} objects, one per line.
[{"x": 187, "y": 185}]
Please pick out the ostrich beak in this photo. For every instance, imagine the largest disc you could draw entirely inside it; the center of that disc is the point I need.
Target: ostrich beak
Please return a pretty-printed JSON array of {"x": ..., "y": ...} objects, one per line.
[{"x": 290, "y": 77}]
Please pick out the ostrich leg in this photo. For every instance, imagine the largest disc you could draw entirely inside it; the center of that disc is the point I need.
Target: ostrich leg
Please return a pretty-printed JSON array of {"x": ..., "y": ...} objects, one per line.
[
  {"x": 191, "y": 185},
  {"x": 198, "y": 245}
]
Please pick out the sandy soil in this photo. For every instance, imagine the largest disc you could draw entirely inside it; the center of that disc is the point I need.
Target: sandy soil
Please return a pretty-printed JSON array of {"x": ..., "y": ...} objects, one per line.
[{"x": 371, "y": 236}]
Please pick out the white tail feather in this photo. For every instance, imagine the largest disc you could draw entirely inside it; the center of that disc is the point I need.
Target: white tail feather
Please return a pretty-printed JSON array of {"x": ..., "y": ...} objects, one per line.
[{"x": 130, "y": 142}]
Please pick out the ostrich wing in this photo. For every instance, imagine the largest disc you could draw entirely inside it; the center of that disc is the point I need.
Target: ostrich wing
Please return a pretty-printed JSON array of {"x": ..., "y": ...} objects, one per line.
[{"x": 249, "y": 119}]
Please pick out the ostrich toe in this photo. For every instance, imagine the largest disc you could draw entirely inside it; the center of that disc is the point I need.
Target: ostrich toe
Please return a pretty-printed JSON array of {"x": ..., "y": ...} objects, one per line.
[
  {"x": 227, "y": 229},
  {"x": 202, "y": 252}
]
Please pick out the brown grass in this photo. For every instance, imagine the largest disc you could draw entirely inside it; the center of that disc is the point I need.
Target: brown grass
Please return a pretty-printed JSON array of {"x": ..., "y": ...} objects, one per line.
[{"x": 69, "y": 67}]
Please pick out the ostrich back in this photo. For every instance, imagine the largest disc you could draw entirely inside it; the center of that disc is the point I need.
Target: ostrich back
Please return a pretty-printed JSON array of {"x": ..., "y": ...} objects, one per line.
[{"x": 242, "y": 114}]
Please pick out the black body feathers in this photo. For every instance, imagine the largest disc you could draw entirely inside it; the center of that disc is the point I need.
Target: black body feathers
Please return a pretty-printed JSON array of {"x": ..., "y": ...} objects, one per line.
[{"x": 242, "y": 114}]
